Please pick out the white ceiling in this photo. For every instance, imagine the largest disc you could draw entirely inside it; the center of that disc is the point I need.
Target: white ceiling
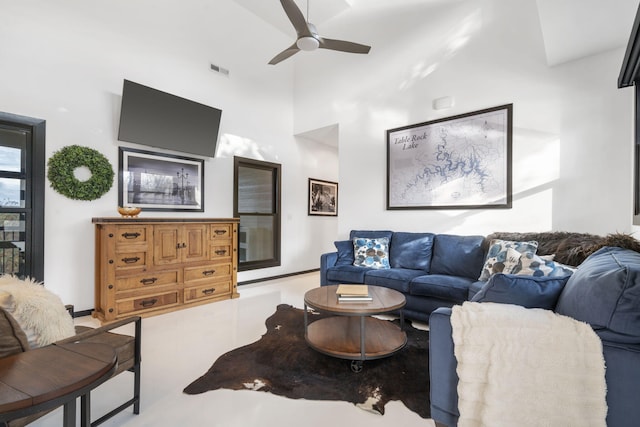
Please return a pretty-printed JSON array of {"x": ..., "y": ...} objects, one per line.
[
  {"x": 574, "y": 29},
  {"x": 571, "y": 29}
]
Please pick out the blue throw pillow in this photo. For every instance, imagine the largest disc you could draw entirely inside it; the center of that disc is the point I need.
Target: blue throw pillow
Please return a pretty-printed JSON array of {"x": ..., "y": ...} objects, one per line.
[
  {"x": 371, "y": 253},
  {"x": 503, "y": 255},
  {"x": 540, "y": 266},
  {"x": 527, "y": 291},
  {"x": 345, "y": 252}
]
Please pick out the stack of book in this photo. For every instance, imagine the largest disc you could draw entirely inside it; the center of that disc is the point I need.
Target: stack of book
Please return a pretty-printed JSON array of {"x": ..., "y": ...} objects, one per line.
[{"x": 353, "y": 293}]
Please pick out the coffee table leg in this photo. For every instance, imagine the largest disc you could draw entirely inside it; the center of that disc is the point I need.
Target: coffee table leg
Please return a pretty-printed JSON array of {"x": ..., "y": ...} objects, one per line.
[
  {"x": 363, "y": 350},
  {"x": 305, "y": 319}
]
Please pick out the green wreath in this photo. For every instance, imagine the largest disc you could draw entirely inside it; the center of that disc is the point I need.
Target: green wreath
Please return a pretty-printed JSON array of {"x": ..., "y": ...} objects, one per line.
[{"x": 64, "y": 162}]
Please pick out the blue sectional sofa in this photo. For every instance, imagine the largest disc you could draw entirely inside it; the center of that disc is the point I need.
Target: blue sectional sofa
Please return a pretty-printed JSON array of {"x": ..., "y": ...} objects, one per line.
[
  {"x": 603, "y": 292},
  {"x": 437, "y": 270}
]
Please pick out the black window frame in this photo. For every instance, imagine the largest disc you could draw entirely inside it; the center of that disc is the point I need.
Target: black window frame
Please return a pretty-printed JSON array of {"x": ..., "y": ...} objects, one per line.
[
  {"x": 276, "y": 170},
  {"x": 630, "y": 76},
  {"x": 34, "y": 190}
]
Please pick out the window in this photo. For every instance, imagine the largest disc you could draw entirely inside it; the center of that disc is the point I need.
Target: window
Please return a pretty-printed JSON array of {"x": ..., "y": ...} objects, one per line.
[
  {"x": 256, "y": 201},
  {"x": 22, "y": 171}
]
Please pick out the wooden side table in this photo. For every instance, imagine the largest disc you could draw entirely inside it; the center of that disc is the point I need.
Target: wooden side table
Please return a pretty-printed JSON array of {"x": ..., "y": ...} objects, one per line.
[{"x": 47, "y": 377}]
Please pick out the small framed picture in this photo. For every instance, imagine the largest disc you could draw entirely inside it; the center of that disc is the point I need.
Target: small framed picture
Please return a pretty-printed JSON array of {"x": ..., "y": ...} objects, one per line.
[
  {"x": 323, "y": 197},
  {"x": 160, "y": 182}
]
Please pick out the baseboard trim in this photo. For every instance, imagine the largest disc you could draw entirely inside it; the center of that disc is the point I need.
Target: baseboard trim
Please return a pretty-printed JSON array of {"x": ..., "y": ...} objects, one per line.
[
  {"x": 82, "y": 313},
  {"x": 281, "y": 276}
]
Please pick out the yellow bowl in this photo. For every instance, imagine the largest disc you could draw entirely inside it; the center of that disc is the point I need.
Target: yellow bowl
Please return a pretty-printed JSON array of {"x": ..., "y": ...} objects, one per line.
[{"x": 128, "y": 211}]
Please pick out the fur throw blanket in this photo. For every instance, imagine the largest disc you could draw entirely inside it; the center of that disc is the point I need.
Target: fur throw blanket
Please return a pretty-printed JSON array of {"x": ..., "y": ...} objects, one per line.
[
  {"x": 569, "y": 248},
  {"x": 39, "y": 312},
  {"x": 526, "y": 367}
]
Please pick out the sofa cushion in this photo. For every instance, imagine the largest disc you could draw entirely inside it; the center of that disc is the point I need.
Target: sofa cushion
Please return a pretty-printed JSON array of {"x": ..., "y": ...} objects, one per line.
[
  {"x": 474, "y": 288},
  {"x": 346, "y": 274},
  {"x": 527, "y": 291},
  {"x": 371, "y": 253},
  {"x": 345, "y": 252},
  {"x": 539, "y": 266},
  {"x": 411, "y": 250},
  {"x": 12, "y": 338},
  {"x": 503, "y": 254},
  {"x": 605, "y": 292},
  {"x": 450, "y": 288},
  {"x": 395, "y": 278},
  {"x": 457, "y": 255}
]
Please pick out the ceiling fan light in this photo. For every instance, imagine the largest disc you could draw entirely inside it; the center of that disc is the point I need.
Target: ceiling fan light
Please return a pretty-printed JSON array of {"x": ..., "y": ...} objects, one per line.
[{"x": 308, "y": 43}]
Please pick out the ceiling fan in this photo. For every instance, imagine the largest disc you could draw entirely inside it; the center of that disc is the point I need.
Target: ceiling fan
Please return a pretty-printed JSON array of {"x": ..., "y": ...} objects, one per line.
[{"x": 308, "y": 38}]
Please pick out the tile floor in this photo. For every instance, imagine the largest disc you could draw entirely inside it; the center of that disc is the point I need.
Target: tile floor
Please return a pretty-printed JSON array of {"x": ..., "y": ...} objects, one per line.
[{"x": 179, "y": 347}]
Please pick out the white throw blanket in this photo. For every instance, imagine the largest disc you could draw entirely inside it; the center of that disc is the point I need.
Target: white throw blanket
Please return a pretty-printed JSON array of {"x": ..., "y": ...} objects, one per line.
[{"x": 527, "y": 367}]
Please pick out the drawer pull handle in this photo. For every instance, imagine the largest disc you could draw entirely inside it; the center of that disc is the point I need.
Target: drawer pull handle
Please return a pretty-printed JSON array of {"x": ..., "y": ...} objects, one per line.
[
  {"x": 130, "y": 235},
  {"x": 220, "y": 232},
  {"x": 149, "y": 281},
  {"x": 209, "y": 272},
  {"x": 221, "y": 252},
  {"x": 131, "y": 260},
  {"x": 181, "y": 245},
  {"x": 148, "y": 303},
  {"x": 208, "y": 291}
]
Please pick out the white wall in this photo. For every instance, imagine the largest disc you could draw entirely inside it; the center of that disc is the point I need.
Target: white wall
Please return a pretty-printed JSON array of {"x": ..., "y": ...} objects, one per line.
[
  {"x": 65, "y": 62},
  {"x": 572, "y": 142}
]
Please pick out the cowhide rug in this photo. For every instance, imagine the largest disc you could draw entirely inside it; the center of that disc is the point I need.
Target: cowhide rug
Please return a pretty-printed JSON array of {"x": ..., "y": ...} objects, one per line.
[{"x": 282, "y": 363}]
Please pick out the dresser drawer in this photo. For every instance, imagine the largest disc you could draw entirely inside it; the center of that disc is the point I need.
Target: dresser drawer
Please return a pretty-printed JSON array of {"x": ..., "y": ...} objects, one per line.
[
  {"x": 220, "y": 252},
  {"x": 152, "y": 279},
  {"x": 207, "y": 291},
  {"x": 206, "y": 273},
  {"x": 151, "y": 302},
  {"x": 130, "y": 234},
  {"x": 220, "y": 232},
  {"x": 130, "y": 260}
]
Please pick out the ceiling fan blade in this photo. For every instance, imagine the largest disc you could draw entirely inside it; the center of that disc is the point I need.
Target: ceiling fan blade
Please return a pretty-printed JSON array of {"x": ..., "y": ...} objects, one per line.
[
  {"x": 290, "y": 51},
  {"x": 296, "y": 17},
  {"x": 343, "y": 46}
]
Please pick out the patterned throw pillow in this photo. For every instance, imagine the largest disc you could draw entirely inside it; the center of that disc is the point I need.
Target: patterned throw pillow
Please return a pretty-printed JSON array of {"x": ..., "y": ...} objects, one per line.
[
  {"x": 541, "y": 266},
  {"x": 503, "y": 255},
  {"x": 371, "y": 253}
]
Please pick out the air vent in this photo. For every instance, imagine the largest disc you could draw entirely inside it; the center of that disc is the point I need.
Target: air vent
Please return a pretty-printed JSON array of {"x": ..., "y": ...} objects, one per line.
[{"x": 219, "y": 69}]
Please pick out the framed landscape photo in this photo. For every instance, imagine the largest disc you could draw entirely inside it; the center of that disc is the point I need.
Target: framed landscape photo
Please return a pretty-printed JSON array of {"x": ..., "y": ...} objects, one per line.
[
  {"x": 323, "y": 197},
  {"x": 458, "y": 162},
  {"x": 160, "y": 182}
]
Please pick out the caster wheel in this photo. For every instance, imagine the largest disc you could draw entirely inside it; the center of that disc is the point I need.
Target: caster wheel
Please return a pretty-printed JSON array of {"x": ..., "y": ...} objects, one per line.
[{"x": 356, "y": 366}]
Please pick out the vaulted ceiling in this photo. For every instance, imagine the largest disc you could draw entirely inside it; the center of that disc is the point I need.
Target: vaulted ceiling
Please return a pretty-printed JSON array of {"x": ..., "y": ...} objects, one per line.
[{"x": 571, "y": 29}]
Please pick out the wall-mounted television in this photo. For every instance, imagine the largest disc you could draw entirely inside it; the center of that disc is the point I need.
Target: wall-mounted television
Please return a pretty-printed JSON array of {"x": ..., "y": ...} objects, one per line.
[{"x": 151, "y": 117}]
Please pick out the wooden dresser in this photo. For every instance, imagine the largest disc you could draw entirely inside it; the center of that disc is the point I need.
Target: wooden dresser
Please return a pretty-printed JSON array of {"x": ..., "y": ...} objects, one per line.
[{"x": 149, "y": 266}]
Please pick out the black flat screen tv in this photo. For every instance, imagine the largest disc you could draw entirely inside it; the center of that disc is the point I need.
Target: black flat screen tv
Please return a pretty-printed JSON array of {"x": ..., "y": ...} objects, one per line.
[{"x": 158, "y": 119}]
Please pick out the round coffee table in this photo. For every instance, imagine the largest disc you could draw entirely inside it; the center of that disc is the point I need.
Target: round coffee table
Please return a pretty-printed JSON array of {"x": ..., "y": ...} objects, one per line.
[{"x": 352, "y": 333}]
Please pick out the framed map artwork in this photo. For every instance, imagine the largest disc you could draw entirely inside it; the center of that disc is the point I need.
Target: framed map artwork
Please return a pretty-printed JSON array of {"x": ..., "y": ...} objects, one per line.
[{"x": 459, "y": 162}]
